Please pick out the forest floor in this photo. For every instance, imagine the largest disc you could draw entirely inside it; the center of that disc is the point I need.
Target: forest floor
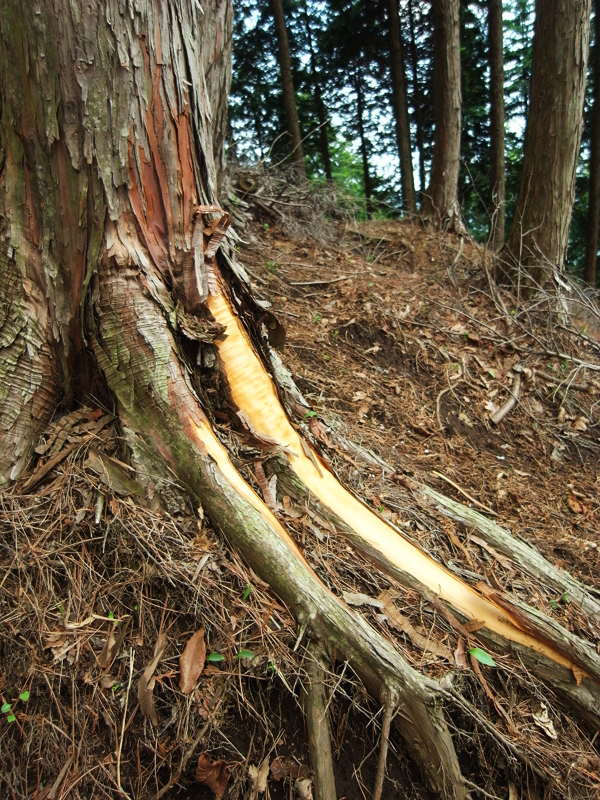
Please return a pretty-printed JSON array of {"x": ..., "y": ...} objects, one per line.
[{"x": 395, "y": 339}]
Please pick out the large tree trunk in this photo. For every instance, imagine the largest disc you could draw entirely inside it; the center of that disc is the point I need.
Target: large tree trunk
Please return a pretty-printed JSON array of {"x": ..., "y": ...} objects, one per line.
[
  {"x": 440, "y": 204},
  {"x": 540, "y": 230},
  {"x": 409, "y": 199},
  {"x": 110, "y": 273},
  {"x": 287, "y": 86},
  {"x": 593, "y": 217},
  {"x": 497, "y": 169}
]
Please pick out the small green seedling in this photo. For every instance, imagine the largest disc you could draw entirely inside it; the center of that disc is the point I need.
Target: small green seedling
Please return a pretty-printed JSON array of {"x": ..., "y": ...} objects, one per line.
[
  {"x": 245, "y": 654},
  {"x": 213, "y": 658},
  {"x": 247, "y": 591},
  {"x": 481, "y": 656},
  {"x": 310, "y": 414},
  {"x": 554, "y": 604},
  {"x": 6, "y": 708}
]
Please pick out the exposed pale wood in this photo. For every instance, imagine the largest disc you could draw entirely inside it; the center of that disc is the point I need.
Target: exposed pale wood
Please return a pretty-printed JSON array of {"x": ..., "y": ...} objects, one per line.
[
  {"x": 527, "y": 557},
  {"x": 253, "y": 391}
]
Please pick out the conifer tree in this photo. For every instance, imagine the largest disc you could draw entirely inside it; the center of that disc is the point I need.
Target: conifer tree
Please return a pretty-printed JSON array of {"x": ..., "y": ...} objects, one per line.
[
  {"x": 497, "y": 160},
  {"x": 593, "y": 216},
  {"x": 440, "y": 204},
  {"x": 400, "y": 102},
  {"x": 539, "y": 233},
  {"x": 287, "y": 85}
]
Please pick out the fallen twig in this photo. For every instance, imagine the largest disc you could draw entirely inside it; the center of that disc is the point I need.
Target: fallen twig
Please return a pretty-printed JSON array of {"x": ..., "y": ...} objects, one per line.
[
  {"x": 462, "y": 491},
  {"x": 515, "y": 392}
]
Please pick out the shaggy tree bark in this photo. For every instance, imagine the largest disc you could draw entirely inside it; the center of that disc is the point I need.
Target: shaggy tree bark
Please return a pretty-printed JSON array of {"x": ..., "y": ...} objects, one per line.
[
  {"x": 593, "y": 216},
  {"x": 539, "y": 234},
  {"x": 497, "y": 169},
  {"x": 287, "y": 87},
  {"x": 112, "y": 282},
  {"x": 440, "y": 203},
  {"x": 409, "y": 199}
]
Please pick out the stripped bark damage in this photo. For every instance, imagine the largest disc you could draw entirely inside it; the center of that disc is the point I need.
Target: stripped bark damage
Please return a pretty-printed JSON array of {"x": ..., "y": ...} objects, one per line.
[{"x": 120, "y": 270}]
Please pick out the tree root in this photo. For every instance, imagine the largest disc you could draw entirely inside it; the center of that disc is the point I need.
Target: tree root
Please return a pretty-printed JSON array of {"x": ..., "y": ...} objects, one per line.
[
  {"x": 528, "y": 559},
  {"x": 317, "y": 726},
  {"x": 164, "y": 422},
  {"x": 388, "y": 713}
]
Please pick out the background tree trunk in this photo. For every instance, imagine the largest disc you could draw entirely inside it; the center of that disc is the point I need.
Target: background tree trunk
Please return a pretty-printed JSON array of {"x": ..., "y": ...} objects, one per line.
[
  {"x": 440, "y": 204},
  {"x": 400, "y": 100},
  {"x": 321, "y": 112},
  {"x": 364, "y": 151},
  {"x": 497, "y": 168},
  {"x": 539, "y": 234},
  {"x": 593, "y": 218},
  {"x": 287, "y": 86},
  {"x": 417, "y": 98}
]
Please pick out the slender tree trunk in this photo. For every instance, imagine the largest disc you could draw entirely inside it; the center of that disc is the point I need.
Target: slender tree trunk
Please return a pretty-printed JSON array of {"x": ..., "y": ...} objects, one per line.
[
  {"x": 440, "y": 204},
  {"x": 417, "y": 98},
  {"x": 323, "y": 139},
  {"x": 364, "y": 151},
  {"x": 593, "y": 218},
  {"x": 497, "y": 168},
  {"x": 409, "y": 199},
  {"x": 287, "y": 86},
  {"x": 539, "y": 234}
]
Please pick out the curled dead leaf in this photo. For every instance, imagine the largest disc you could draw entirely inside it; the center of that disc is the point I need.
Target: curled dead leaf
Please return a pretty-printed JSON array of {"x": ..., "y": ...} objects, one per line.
[
  {"x": 543, "y": 721},
  {"x": 192, "y": 661},
  {"x": 146, "y": 682},
  {"x": 213, "y": 774},
  {"x": 304, "y": 788}
]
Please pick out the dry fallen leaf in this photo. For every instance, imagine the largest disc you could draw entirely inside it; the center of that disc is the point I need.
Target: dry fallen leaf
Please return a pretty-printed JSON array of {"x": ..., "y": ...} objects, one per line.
[
  {"x": 282, "y": 769},
  {"x": 146, "y": 682},
  {"x": 544, "y": 722},
  {"x": 358, "y": 599},
  {"x": 420, "y": 640},
  {"x": 574, "y": 504},
  {"x": 213, "y": 774},
  {"x": 580, "y": 424},
  {"x": 460, "y": 657},
  {"x": 192, "y": 661},
  {"x": 304, "y": 788}
]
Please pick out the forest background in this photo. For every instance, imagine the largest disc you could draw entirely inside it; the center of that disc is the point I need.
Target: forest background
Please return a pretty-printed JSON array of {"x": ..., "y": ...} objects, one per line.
[{"x": 340, "y": 62}]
